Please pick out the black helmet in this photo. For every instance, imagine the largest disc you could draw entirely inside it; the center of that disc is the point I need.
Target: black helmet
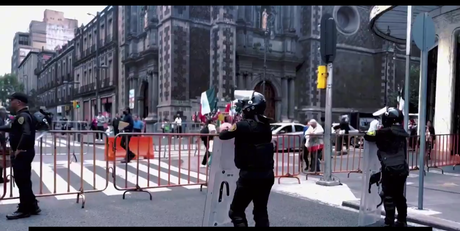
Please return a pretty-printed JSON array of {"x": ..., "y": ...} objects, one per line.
[
  {"x": 392, "y": 116},
  {"x": 256, "y": 105},
  {"x": 43, "y": 120}
]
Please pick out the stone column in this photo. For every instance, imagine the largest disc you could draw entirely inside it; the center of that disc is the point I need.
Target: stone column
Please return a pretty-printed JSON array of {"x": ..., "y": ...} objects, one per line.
[
  {"x": 223, "y": 49},
  {"x": 154, "y": 98},
  {"x": 284, "y": 99},
  {"x": 247, "y": 81},
  {"x": 291, "y": 97},
  {"x": 240, "y": 84}
]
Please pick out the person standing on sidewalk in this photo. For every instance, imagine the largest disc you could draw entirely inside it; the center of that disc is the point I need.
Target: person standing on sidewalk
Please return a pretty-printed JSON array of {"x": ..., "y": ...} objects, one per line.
[{"x": 391, "y": 141}]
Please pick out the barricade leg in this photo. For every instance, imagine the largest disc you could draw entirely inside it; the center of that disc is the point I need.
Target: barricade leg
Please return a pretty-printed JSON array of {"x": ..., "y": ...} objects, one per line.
[{"x": 137, "y": 189}]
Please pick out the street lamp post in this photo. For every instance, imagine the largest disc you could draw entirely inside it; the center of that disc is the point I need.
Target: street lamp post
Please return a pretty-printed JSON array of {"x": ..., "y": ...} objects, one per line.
[{"x": 98, "y": 103}]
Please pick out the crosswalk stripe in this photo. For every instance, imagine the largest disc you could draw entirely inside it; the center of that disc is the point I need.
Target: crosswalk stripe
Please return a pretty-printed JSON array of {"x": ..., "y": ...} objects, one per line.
[{"x": 48, "y": 172}]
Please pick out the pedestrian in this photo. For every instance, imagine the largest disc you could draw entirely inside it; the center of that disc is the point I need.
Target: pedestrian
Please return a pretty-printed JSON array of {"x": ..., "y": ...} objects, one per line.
[
  {"x": 3, "y": 122},
  {"x": 430, "y": 137},
  {"x": 178, "y": 123},
  {"x": 138, "y": 124},
  {"x": 100, "y": 120},
  {"x": 115, "y": 123},
  {"x": 254, "y": 152},
  {"x": 391, "y": 141},
  {"x": 22, "y": 142},
  {"x": 314, "y": 144},
  {"x": 305, "y": 149},
  {"x": 127, "y": 118},
  {"x": 207, "y": 139}
]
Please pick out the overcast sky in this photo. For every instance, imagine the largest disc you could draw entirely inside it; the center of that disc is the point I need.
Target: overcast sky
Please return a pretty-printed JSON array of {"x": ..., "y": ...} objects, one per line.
[{"x": 17, "y": 18}]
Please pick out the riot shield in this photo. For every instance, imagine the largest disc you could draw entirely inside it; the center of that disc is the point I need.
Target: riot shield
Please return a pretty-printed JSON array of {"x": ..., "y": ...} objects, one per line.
[
  {"x": 369, "y": 213},
  {"x": 221, "y": 184}
]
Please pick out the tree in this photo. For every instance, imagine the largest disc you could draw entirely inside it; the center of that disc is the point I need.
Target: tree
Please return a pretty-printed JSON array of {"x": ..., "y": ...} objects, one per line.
[
  {"x": 414, "y": 78},
  {"x": 9, "y": 84}
]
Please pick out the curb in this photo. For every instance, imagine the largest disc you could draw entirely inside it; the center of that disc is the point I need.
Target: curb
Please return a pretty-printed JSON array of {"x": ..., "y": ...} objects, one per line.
[{"x": 430, "y": 221}]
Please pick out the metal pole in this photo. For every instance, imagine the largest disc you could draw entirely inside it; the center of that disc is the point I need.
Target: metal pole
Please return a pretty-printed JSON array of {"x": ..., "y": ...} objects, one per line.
[
  {"x": 327, "y": 179},
  {"x": 265, "y": 60},
  {"x": 407, "y": 77},
  {"x": 98, "y": 103},
  {"x": 385, "y": 100},
  {"x": 422, "y": 119}
]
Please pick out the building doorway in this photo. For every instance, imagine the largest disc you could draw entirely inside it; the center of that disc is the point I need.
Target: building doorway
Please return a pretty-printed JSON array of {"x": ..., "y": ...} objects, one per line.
[
  {"x": 144, "y": 104},
  {"x": 270, "y": 97},
  {"x": 431, "y": 88}
]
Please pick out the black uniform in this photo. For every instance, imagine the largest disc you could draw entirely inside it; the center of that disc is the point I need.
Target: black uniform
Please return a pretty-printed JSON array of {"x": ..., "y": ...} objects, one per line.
[
  {"x": 391, "y": 141},
  {"x": 254, "y": 157},
  {"x": 127, "y": 118},
  {"x": 22, "y": 140}
]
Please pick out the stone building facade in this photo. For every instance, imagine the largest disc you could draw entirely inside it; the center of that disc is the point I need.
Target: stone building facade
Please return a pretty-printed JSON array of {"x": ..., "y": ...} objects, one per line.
[
  {"x": 99, "y": 38},
  {"x": 53, "y": 77},
  {"x": 170, "y": 54}
]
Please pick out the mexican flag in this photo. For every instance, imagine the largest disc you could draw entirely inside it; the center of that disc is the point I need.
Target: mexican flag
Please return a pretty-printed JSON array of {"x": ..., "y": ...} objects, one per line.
[{"x": 208, "y": 101}]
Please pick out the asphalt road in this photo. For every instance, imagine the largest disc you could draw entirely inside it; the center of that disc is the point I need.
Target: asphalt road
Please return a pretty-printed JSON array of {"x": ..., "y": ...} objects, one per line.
[{"x": 178, "y": 207}]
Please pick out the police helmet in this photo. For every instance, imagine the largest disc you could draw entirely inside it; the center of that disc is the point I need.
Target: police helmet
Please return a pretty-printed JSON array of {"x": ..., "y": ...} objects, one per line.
[
  {"x": 392, "y": 116},
  {"x": 43, "y": 120},
  {"x": 256, "y": 105}
]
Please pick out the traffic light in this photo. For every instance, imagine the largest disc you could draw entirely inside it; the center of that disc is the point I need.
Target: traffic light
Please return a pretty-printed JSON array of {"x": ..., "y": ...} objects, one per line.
[
  {"x": 322, "y": 77},
  {"x": 76, "y": 104}
]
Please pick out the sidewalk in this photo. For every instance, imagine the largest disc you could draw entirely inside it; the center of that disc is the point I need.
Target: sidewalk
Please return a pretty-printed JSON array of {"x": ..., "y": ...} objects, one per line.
[{"x": 441, "y": 195}]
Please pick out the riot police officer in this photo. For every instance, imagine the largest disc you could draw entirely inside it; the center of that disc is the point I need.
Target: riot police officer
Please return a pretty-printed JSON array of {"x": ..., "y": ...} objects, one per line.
[
  {"x": 391, "y": 141},
  {"x": 22, "y": 142},
  {"x": 254, "y": 157}
]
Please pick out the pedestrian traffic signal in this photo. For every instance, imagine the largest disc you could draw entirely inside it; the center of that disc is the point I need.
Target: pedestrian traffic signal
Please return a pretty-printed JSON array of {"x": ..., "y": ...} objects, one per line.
[{"x": 76, "y": 104}]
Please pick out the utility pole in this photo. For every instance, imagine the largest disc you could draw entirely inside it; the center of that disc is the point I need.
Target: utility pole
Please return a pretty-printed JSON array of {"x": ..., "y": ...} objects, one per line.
[
  {"x": 98, "y": 101},
  {"x": 267, "y": 18}
]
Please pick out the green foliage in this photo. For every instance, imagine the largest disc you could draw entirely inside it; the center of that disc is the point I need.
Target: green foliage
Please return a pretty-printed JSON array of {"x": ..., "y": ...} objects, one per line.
[
  {"x": 9, "y": 84},
  {"x": 414, "y": 78}
]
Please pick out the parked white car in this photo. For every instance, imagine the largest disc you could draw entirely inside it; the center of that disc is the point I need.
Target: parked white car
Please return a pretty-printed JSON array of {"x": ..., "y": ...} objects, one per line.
[
  {"x": 291, "y": 142},
  {"x": 353, "y": 132}
]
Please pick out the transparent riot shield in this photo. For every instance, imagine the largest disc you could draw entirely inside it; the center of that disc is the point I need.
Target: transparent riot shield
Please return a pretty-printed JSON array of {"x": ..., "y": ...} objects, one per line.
[
  {"x": 221, "y": 183},
  {"x": 369, "y": 213}
]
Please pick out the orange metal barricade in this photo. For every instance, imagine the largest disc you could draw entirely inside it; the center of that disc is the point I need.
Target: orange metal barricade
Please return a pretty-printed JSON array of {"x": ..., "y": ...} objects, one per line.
[
  {"x": 440, "y": 151},
  {"x": 58, "y": 171},
  {"x": 179, "y": 162},
  {"x": 176, "y": 167},
  {"x": 287, "y": 157}
]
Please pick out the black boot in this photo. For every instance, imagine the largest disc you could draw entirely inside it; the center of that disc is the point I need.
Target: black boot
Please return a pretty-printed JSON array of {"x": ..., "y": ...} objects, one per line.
[
  {"x": 20, "y": 213},
  {"x": 400, "y": 224},
  {"x": 35, "y": 209}
]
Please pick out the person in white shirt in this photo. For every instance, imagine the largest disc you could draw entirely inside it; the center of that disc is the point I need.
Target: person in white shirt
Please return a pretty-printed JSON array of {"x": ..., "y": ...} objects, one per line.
[
  {"x": 178, "y": 122},
  {"x": 101, "y": 120},
  {"x": 314, "y": 143}
]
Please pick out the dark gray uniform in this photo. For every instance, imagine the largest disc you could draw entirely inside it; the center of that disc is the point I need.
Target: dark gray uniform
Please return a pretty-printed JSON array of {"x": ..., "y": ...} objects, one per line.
[
  {"x": 391, "y": 142},
  {"x": 254, "y": 157},
  {"x": 127, "y": 118}
]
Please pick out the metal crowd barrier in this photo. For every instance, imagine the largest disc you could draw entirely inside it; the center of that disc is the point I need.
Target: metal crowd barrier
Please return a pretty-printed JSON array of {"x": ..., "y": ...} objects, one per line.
[
  {"x": 62, "y": 169},
  {"x": 171, "y": 167}
]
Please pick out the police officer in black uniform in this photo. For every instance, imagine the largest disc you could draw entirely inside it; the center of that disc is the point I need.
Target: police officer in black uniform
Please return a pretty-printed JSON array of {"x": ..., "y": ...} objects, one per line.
[
  {"x": 391, "y": 141},
  {"x": 22, "y": 142},
  {"x": 254, "y": 157},
  {"x": 124, "y": 143}
]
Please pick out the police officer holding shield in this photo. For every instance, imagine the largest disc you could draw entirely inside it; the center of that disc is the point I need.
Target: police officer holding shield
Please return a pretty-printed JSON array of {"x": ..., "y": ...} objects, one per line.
[
  {"x": 391, "y": 141},
  {"x": 22, "y": 141},
  {"x": 254, "y": 157}
]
